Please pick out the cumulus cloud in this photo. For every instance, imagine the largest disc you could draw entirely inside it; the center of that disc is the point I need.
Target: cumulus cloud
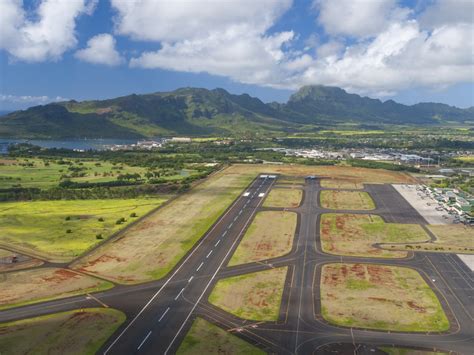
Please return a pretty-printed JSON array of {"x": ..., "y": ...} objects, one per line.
[
  {"x": 358, "y": 18},
  {"x": 14, "y": 102},
  {"x": 100, "y": 50},
  {"x": 444, "y": 12},
  {"x": 45, "y": 38}
]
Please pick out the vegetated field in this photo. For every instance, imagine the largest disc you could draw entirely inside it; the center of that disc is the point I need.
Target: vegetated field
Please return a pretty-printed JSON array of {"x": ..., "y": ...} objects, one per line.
[
  {"x": 289, "y": 198},
  {"x": 341, "y": 184},
  {"x": 450, "y": 238},
  {"x": 35, "y": 172},
  {"x": 62, "y": 230},
  {"x": 354, "y": 235},
  {"x": 290, "y": 180},
  {"x": 380, "y": 297},
  {"x": 359, "y": 175},
  {"x": 407, "y": 351},
  {"x": 6, "y": 253},
  {"x": 270, "y": 235},
  {"x": 206, "y": 338},
  {"x": 466, "y": 158},
  {"x": 152, "y": 247},
  {"x": 256, "y": 296},
  {"x": 31, "y": 286},
  {"x": 346, "y": 200},
  {"x": 74, "y": 332}
]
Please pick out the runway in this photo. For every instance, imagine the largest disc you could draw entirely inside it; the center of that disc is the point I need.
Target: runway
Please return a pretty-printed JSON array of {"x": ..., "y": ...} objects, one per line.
[{"x": 161, "y": 312}]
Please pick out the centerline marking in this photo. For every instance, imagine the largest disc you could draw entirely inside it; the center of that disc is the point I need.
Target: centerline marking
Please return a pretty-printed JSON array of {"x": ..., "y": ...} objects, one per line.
[
  {"x": 209, "y": 254},
  {"x": 200, "y": 266},
  {"x": 179, "y": 294},
  {"x": 217, "y": 243},
  {"x": 164, "y": 313},
  {"x": 144, "y": 340}
]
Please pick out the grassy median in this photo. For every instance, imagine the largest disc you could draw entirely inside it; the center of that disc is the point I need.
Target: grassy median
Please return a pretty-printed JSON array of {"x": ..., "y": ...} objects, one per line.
[
  {"x": 380, "y": 297},
  {"x": 206, "y": 338},
  {"x": 341, "y": 184},
  {"x": 256, "y": 296},
  {"x": 20, "y": 288},
  {"x": 283, "y": 198},
  {"x": 354, "y": 235},
  {"x": 270, "y": 235},
  {"x": 346, "y": 200},
  {"x": 75, "y": 332}
]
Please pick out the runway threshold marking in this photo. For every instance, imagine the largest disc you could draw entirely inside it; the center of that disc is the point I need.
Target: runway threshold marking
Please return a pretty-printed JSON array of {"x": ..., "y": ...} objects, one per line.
[
  {"x": 200, "y": 266},
  {"x": 164, "y": 313},
  {"x": 144, "y": 340}
]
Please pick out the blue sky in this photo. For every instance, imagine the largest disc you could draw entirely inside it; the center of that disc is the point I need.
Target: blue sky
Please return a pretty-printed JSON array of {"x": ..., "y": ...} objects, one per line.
[{"x": 410, "y": 51}]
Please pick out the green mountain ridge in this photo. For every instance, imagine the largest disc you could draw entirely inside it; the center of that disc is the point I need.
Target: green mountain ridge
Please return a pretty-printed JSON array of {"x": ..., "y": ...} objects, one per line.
[{"x": 201, "y": 112}]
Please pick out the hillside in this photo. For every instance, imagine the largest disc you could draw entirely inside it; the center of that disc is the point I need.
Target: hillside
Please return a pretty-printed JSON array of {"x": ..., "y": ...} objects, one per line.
[{"x": 193, "y": 111}]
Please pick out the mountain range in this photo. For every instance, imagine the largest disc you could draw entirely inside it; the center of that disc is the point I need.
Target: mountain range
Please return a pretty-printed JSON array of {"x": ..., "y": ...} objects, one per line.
[{"x": 201, "y": 112}]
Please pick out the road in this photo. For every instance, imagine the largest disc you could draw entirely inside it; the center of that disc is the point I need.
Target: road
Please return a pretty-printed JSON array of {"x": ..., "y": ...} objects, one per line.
[{"x": 161, "y": 312}]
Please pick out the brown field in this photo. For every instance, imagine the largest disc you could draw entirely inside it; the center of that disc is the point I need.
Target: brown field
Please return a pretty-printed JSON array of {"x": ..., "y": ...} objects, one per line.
[
  {"x": 341, "y": 184},
  {"x": 207, "y": 338},
  {"x": 36, "y": 285},
  {"x": 452, "y": 238},
  {"x": 152, "y": 247},
  {"x": 346, "y": 200},
  {"x": 284, "y": 198},
  {"x": 354, "y": 235},
  {"x": 358, "y": 175},
  {"x": 255, "y": 296},
  {"x": 270, "y": 235},
  {"x": 74, "y": 332},
  {"x": 6, "y": 263},
  {"x": 379, "y": 297},
  {"x": 290, "y": 180}
]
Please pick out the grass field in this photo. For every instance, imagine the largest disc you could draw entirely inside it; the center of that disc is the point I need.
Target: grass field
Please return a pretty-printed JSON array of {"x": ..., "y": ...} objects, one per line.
[
  {"x": 255, "y": 296},
  {"x": 62, "y": 230},
  {"x": 206, "y": 338},
  {"x": 346, "y": 200},
  {"x": 466, "y": 158},
  {"x": 47, "y": 173},
  {"x": 354, "y": 235},
  {"x": 270, "y": 235},
  {"x": 151, "y": 248},
  {"x": 341, "y": 184},
  {"x": 289, "y": 198},
  {"x": 379, "y": 297},
  {"x": 450, "y": 238},
  {"x": 74, "y": 332},
  {"x": 31, "y": 286},
  {"x": 290, "y": 180},
  {"x": 407, "y": 351}
]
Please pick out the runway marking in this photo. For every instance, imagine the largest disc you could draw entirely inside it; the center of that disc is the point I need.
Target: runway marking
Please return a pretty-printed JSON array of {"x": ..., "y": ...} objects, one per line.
[
  {"x": 171, "y": 277},
  {"x": 213, "y": 276},
  {"x": 179, "y": 294},
  {"x": 144, "y": 340},
  {"x": 235, "y": 218},
  {"x": 164, "y": 313},
  {"x": 200, "y": 266},
  {"x": 230, "y": 225},
  {"x": 223, "y": 234},
  {"x": 217, "y": 243},
  {"x": 240, "y": 212},
  {"x": 190, "y": 279},
  {"x": 209, "y": 254}
]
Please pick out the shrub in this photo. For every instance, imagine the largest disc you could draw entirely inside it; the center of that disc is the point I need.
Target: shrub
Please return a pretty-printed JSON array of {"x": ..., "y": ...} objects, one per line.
[
  {"x": 133, "y": 214},
  {"x": 101, "y": 219},
  {"x": 99, "y": 236},
  {"x": 68, "y": 218},
  {"x": 68, "y": 230}
]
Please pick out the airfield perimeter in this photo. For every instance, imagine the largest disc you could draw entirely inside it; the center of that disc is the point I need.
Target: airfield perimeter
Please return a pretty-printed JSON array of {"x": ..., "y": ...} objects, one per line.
[{"x": 160, "y": 313}]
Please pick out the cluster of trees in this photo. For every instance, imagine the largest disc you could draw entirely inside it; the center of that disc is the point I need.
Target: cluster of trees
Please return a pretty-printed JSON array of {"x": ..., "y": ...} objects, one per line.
[{"x": 380, "y": 165}]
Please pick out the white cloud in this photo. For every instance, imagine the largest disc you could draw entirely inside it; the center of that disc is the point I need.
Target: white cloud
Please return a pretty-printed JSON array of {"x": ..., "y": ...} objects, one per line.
[
  {"x": 174, "y": 20},
  {"x": 14, "y": 102},
  {"x": 46, "y": 38},
  {"x": 100, "y": 50},
  {"x": 444, "y": 12},
  {"x": 358, "y": 18}
]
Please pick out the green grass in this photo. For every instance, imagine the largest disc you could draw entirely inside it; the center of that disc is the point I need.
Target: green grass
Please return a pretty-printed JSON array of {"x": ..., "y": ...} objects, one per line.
[
  {"x": 206, "y": 338},
  {"x": 41, "y": 228},
  {"x": 47, "y": 173},
  {"x": 73, "y": 332},
  {"x": 256, "y": 296},
  {"x": 407, "y": 351}
]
